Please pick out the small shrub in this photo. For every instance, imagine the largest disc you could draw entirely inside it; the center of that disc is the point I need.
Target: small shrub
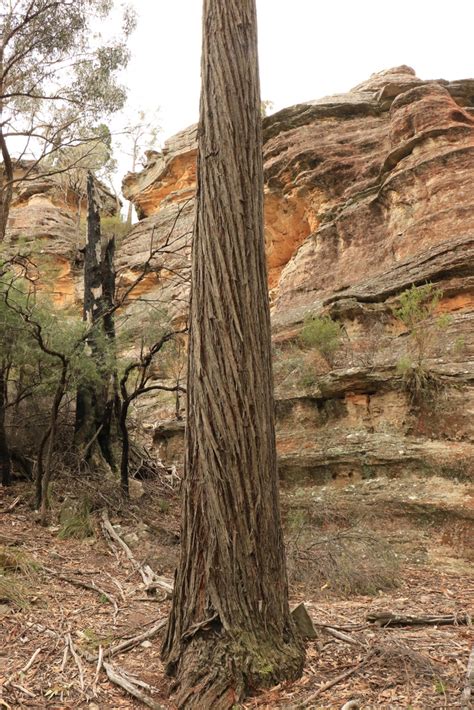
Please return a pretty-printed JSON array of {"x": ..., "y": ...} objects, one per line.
[
  {"x": 459, "y": 345},
  {"x": 344, "y": 562},
  {"x": 14, "y": 560},
  {"x": 417, "y": 306},
  {"x": 12, "y": 592},
  {"x": 419, "y": 383},
  {"x": 322, "y": 333},
  {"x": 75, "y": 521},
  {"x": 308, "y": 380}
]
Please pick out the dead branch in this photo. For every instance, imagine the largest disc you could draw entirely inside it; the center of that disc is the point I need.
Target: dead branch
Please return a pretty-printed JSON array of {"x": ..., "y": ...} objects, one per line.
[
  {"x": 120, "y": 678},
  {"x": 342, "y": 637},
  {"x": 12, "y": 505},
  {"x": 128, "y": 644},
  {"x": 77, "y": 660},
  {"x": 326, "y": 686},
  {"x": 22, "y": 670},
  {"x": 387, "y": 618},
  {"x": 145, "y": 571},
  {"x": 23, "y": 690}
]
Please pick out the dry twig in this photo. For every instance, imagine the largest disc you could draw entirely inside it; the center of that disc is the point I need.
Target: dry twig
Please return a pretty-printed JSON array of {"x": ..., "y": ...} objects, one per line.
[
  {"x": 150, "y": 579},
  {"x": 326, "y": 686},
  {"x": 120, "y": 678}
]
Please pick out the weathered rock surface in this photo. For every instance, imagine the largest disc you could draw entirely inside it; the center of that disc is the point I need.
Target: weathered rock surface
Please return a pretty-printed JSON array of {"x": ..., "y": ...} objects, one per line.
[
  {"x": 43, "y": 223},
  {"x": 366, "y": 194}
]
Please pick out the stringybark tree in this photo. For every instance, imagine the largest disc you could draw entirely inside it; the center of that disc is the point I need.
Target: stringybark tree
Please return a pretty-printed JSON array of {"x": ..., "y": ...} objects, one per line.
[{"x": 230, "y": 630}]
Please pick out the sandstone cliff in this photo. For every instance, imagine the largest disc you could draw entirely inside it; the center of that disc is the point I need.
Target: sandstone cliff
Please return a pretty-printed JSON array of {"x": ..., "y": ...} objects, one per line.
[
  {"x": 367, "y": 193},
  {"x": 44, "y": 222}
]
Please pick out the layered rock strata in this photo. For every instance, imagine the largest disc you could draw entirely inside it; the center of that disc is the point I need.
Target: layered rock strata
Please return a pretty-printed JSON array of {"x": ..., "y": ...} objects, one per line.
[{"x": 366, "y": 194}]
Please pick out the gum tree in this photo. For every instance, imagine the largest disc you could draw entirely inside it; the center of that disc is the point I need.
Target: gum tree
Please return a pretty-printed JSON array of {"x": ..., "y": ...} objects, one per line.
[
  {"x": 56, "y": 73},
  {"x": 230, "y": 629}
]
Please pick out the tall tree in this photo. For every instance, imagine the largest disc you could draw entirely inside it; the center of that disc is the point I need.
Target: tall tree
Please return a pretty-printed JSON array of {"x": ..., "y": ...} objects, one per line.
[
  {"x": 230, "y": 629},
  {"x": 140, "y": 134},
  {"x": 56, "y": 73}
]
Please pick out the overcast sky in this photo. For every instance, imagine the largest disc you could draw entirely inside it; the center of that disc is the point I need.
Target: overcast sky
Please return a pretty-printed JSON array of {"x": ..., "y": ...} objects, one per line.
[{"x": 308, "y": 49}]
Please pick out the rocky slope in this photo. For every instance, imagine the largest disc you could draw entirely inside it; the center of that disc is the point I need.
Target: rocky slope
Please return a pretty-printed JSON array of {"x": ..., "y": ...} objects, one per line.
[{"x": 367, "y": 193}]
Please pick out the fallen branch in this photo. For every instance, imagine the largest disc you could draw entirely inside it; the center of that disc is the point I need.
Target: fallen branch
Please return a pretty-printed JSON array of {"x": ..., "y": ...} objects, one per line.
[
  {"x": 77, "y": 660},
  {"x": 13, "y": 505},
  {"x": 100, "y": 661},
  {"x": 131, "y": 686},
  {"x": 22, "y": 670},
  {"x": 365, "y": 661},
  {"x": 128, "y": 644},
  {"x": 23, "y": 690},
  {"x": 469, "y": 686},
  {"x": 342, "y": 637},
  {"x": 150, "y": 579},
  {"x": 387, "y": 618}
]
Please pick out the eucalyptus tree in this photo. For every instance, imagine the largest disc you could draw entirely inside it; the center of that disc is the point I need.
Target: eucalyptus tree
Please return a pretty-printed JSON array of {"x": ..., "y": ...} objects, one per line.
[
  {"x": 57, "y": 72},
  {"x": 230, "y": 629}
]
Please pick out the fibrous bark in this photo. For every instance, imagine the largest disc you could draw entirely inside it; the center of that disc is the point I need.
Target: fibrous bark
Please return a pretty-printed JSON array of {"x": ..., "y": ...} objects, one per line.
[{"x": 230, "y": 629}]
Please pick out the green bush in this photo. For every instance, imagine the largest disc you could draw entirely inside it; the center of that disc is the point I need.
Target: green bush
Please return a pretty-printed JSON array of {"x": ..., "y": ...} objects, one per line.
[
  {"x": 322, "y": 333},
  {"x": 416, "y": 310}
]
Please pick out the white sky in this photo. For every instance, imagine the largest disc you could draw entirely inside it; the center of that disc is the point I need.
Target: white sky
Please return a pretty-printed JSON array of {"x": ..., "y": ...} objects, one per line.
[{"x": 308, "y": 49}]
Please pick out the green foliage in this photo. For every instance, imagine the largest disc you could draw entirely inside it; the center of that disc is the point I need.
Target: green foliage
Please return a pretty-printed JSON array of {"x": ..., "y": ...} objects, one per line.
[
  {"x": 459, "y": 345},
  {"x": 416, "y": 310},
  {"x": 417, "y": 304},
  {"x": 114, "y": 225},
  {"x": 322, "y": 333}
]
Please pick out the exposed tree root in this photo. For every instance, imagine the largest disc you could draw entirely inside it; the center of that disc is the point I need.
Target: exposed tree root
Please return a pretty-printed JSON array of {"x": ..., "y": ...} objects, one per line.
[{"x": 217, "y": 672}]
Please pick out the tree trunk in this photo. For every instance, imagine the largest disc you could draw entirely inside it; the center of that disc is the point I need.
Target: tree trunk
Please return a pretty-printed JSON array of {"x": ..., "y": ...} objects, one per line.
[
  {"x": 124, "y": 464},
  {"x": 94, "y": 403},
  {"x": 230, "y": 629},
  {"x": 5, "y": 458},
  {"x": 6, "y": 170}
]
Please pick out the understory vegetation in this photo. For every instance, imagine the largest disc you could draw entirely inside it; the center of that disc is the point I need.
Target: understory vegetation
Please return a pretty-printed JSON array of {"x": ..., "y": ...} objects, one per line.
[
  {"x": 56, "y": 367},
  {"x": 417, "y": 311}
]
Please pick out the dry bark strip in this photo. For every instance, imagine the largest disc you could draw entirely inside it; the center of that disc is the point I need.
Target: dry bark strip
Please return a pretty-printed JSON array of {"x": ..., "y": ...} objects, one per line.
[
  {"x": 150, "y": 579},
  {"x": 469, "y": 686},
  {"x": 387, "y": 618},
  {"x": 338, "y": 679}
]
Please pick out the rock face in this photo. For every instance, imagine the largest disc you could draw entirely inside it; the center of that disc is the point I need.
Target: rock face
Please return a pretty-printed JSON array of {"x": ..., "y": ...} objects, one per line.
[
  {"x": 367, "y": 194},
  {"x": 43, "y": 221}
]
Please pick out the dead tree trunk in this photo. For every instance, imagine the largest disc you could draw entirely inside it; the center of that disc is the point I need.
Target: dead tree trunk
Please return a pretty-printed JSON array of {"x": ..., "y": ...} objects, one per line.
[
  {"x": 5, "y": 457},
  {"x": 230, "y": 629},
  {"x": 94, "y": 403}
]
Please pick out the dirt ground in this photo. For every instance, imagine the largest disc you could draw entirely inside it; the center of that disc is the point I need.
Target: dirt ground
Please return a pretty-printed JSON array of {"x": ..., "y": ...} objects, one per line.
[{"x": 76, "y": 599}]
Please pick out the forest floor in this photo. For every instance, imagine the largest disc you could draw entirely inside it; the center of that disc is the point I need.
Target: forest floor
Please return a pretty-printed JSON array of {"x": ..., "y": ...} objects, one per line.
[{"x": 370, "y": 547}]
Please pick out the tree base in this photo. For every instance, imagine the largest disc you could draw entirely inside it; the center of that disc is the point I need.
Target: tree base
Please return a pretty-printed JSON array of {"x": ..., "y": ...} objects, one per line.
[{"x": 217, "y": 672}]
